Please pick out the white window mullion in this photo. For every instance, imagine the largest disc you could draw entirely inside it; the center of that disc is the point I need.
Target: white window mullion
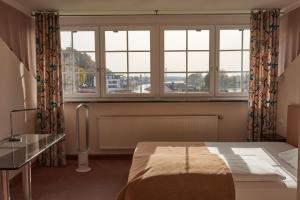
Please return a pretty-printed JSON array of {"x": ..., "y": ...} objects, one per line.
[
  {"x": 242, "y": 61},
  {"x": 73, "y": 63},
  {"x": 127, "y": 55},
  {"x": 186, "y": 60}
]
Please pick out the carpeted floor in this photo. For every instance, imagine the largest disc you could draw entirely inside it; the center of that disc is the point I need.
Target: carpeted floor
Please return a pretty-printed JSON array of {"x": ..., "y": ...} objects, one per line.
[{"x": 62, "y": 183}]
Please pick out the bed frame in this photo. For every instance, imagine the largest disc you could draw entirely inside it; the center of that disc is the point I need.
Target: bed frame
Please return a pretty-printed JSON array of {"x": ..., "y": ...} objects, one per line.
[{"x": 293, "y": 124}]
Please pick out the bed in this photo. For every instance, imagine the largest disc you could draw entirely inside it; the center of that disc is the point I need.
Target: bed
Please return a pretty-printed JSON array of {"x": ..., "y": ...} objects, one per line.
[{"x": 244, "y": 189}]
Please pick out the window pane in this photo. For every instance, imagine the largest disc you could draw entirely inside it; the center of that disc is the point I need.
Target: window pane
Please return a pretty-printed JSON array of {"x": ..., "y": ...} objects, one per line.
[
  {"x": 66, "y": 57},
  {"x": 175, "y": 82},
  {"x": 246, "y": 39},
  {"x": 140, "y": 83},
  {"x": 198, "y": 40},
  {"x": 67, "y": 83},
  {"x": 85, "y": 82},
  {"x": 84, "y": 40},
  {"x": 246, "y": 78},
  {"x": 198, "y": 61},
  {"x": 116, "y": 62},
  {"x": 175, "y": 61},
  {"x": 198, "y": 82},
  {"x": 246, "y": 60},
  {"x": 67, "y": 68},
  {"x": 116, "y": 83},
  {"x": 66, "y": 40},
  {"x": 230, "y": 39},
  {"x": 230, "y": 82},
  {"x": 139, "y": 61},
  {"x": 85, "y": 61},
  {"x": 139, "y": 40},
  {"x": 115, "y": 41},
  {"x": 175, "y": 40},
  {"x": 230, "y": 61}
]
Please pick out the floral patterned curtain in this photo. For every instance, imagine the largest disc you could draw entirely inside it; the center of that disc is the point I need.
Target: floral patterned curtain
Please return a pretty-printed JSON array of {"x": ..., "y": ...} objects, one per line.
[
  {"x": 49, "y": 84},
  {"x": 263, "y": 73}
]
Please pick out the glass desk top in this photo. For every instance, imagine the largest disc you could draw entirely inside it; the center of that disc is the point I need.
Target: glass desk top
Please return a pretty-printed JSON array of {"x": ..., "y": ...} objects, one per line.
[{"x": 14, "y": 155}]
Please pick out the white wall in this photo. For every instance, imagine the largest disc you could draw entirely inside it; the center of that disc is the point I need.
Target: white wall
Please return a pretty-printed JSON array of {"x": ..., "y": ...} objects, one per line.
[
  {"x": 156, "y": 20},
  {"x": 232, "y": 128},
  {"x": 288, "y": 93}
]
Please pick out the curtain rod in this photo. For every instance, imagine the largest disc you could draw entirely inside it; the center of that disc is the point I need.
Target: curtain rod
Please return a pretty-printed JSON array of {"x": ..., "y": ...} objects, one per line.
[
  {"x": 146, "y": 13},
  {"x": 139, "y": 13},
  {"x": 111, "y": 15},
  {"x": 125, "y": 15}
]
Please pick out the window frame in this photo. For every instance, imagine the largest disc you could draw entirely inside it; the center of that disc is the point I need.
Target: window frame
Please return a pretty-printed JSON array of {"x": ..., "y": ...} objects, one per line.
[
  {"x": 217, "y": 74},
  {"x": 156, "y": 64},
  {"x": 103, "y": 92},
  {"x": 210, "y": 92},
  {"x": 97, "y": 57}
]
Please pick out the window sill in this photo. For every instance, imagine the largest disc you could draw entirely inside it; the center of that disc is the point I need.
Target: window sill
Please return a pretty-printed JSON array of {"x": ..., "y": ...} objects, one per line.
[{"x": 153, "y": 100}]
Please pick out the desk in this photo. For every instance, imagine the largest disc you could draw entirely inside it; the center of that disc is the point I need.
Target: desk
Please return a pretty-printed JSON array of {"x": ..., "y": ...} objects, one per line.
[{"x": 15, "y": 155}]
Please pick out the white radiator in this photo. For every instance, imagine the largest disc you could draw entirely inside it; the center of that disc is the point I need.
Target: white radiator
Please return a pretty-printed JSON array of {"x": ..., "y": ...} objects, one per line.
[{"x": 124, "y": 132}]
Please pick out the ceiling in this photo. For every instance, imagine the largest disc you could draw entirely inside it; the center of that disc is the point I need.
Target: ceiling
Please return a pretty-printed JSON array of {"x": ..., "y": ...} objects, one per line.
[{"x": 213, "y": 6}]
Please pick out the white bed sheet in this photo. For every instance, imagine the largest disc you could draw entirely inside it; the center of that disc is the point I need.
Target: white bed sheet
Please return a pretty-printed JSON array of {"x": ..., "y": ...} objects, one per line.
[{"x": 286, "y": 190}]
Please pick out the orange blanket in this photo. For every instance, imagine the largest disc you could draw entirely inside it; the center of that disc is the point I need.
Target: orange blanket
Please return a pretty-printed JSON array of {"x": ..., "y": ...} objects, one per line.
[{"x": 180, "y": 171}]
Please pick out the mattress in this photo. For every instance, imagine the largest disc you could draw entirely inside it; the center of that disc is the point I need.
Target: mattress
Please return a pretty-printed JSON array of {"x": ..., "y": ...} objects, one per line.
[{"x": 268, "y": 151}]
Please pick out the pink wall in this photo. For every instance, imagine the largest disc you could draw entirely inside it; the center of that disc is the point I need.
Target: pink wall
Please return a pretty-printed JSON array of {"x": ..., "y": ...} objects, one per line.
[
  {"x": 18, "y": 90},
  {"x": 289, "y": 39}
]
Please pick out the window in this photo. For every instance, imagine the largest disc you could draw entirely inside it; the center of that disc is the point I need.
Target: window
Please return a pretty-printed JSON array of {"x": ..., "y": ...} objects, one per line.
[
  {"x": 127, "y": 61},
  {"x": 234, "y": 60},
  {"x": 156, "y": 62},
  {"x": 78, "y": 57},
  {"x": 186, "y": 61}
]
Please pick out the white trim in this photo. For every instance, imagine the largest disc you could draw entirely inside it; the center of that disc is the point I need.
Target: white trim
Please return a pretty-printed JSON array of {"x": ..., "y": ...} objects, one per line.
[
  {"x": 104, "y": 93},
  {"x": 156, "y": 25},
  {"x": 211, "y": 29},
  {"x": 160, "y": 99},
  {"x": 217, "y": 92},
  {"x": 97, "y": 50},
  {"x": 18, "y": 6}
]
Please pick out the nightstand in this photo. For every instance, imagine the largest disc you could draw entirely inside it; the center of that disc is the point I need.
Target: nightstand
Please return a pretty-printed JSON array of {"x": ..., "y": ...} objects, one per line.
[{"x": 273, "y": 138}]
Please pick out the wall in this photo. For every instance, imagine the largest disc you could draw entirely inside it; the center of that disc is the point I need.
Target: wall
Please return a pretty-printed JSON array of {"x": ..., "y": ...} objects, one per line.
[
  {"x": 232, "y": 127},
  {"x": 155, "y": 19},
  {"x": 18, "y": 90},
  {"x": 289, "y": 39},
  {"x": 288, "y": 93}
]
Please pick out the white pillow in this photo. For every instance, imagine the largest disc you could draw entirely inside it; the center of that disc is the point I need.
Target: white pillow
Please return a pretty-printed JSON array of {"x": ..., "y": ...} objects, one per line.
[{"x": 290, "y": 157}]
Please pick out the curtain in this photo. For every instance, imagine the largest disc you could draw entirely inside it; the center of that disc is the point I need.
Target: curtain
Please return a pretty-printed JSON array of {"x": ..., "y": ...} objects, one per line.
[
  {"x": 289, "y": 39},
  {"x": 17, "y": 31},
  {"x": 264, "y": 27},
  {"x": 49, "y": 84}
]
